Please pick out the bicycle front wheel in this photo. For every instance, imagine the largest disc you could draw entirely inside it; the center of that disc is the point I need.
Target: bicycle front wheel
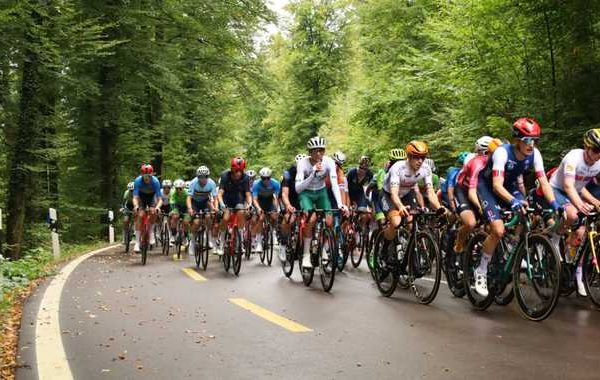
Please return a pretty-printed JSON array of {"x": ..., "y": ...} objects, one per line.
[
  {"x": 471, "y": 258},
  {"x": 205, "y": 248},
  {"x": 237, "y": 253},
  {"x": 536, "y": 278},
  {"x": 591, "y": 274},
  {"x": 385, "y": 266},
  {"x": 198, "y": 242},
  {"x": 425, "y": 269},
  {"x": 327, "y": 258},
  {"x": 269, "y": 247}
]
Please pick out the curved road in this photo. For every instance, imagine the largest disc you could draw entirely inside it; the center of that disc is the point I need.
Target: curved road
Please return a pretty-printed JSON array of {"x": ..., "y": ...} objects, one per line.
[{"x": 121, "y": 320}]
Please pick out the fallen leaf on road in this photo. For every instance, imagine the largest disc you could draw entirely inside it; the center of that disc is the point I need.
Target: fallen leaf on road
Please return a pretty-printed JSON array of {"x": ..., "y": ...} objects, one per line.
[
  {"x": 105, "y": 370},
  {"x": 123, "y": 355}
]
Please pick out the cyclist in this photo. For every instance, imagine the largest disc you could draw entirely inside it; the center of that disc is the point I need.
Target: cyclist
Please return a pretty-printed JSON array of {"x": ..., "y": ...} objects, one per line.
[
  {"x": 340, "y": 159},
  {"x": 358, "y": 178},
  {"x": 166, "y": 196},
  {"x": 311, "y": 188},
  {"x": 146, "y": 194},
  {"x": 467, "y": 203},
  {"x": 264, "y": 196},
  {"x": 291, "y": 203},
  {"x": 127, "y": 208},
  {"x": 201, "y": 197},
  {"x": 422, "y": 195},
  {"x": 400, "y": 186},
  {"x": 498, "y": 186},
  {"x": 577, "y": 168},
  {"x": 234, "y": 193},
  {"x": 178, "y": 210},
  {"x": 376, "y": 186},
  {"x": 252, "y": 175},
  {"x": 447, "y": 188}
]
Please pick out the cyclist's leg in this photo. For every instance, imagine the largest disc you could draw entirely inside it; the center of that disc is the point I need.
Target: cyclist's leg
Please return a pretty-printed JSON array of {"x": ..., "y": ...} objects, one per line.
[{"x": 466, "y": 212}]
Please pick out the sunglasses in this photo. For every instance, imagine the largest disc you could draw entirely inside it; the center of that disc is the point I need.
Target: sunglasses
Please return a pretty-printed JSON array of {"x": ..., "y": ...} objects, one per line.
[
  {"x": 265, "y": 178},
  {"x": 317, "y": 150},
  {"x": 529, "y": 140},
  {"x": 202, "y": 176},
  {"x": 418, "y": 158}
]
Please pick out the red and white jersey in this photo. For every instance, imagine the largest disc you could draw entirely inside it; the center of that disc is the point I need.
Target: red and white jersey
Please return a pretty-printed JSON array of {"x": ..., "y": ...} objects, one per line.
[
  {"x": 573, "y": 165},
  {"x": 403, "y": 176}
]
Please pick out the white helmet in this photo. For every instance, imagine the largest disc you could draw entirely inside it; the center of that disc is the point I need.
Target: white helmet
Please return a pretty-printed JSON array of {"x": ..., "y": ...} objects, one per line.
[
  {"x": 130, "y": 186},
  {"x": 339, "y": 157},
  {"x": 482, "y": 144},
  {"x": 167, "y": 183},
  {"x": 187, "y": 184},
  {"x": 251, "y": 173},
  {"x": 431, "y": 165},
  {"x": 300, "y": 156},
  {"x": 202, "y": 171},
  {"x": 179, "y": 184},
  {"x": 316, "y": 142},
  {"x": 265, "y": 172}
]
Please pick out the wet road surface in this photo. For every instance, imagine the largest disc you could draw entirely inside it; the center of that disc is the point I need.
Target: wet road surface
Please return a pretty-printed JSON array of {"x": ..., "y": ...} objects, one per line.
[{"x": 121, "y": 320}]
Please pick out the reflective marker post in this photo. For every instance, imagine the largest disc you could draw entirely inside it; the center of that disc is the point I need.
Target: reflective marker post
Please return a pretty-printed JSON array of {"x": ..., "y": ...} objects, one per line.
[
  {"x": 53, "y": 225},
  {"x": 111, "y": 227}
]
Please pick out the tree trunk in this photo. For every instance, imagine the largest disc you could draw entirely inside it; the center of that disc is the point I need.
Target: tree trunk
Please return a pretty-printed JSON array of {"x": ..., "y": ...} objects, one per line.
[{"x": 108, "y": 137}]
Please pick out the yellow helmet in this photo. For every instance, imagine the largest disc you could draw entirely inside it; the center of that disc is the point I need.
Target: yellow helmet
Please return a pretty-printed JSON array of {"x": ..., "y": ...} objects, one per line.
[
  {"x": 591, "y": 138},
  {"x": 397, "y": 154}
]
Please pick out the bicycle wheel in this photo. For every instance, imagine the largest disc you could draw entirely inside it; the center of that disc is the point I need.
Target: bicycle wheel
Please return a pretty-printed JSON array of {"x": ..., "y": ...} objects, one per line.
[
  {"x": 199, "y": 245},
  {"x": 205, "y": 248},
  {"x": 237, "y": 253},
  {"x": 127, "y": 238},
  {"x": 247, "y": 242},
  {"x": 402, "y": 236},
  {"x": 471, "y": 258},
  {"x": 591, "y": 275},
  {"x": 269, "y": 247},
  {"x": 370, "y": 257},
  {"x": 290, "y": 254},
  {"x": 307, "y": 273},
  {"x": 327, "y": 258},
  {"x": 345, "y": 247},
  {"x": 144, "y": 252},
  {"x": 385, "y": 266},
  {"x": 425, "y": 269},
  {"x": 227, "y": 250},
  {"x": 178, "y": 243},
  {"x": 536, "y": 278},
  {"x": 262, "y": 254},
  {"x": 359, "y": 250}
]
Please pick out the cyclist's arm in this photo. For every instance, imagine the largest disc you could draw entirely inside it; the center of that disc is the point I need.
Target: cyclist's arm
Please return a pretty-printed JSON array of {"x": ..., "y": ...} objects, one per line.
[
  {"x": 588, "y": 197},
  {"x": 188, "y": 203},
  {"x": 334, "y": 185},
  {"x": 569, "y": 186},
  {"x": 451, "y": 197},
  {"x": 500, "y": 158},
  {"x": 420, "y": 199},
  {"x": 394, "y": 189},
  {"x": 285, "y": 197},
  {"x": 302, "y": 183},
  {"x": 220, "y": 197},
  {"x": 540, "y": 173},
  {"x": 472, "y": 195}
]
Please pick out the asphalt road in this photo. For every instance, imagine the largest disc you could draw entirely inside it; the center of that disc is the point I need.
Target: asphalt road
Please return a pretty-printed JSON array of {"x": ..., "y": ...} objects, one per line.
[{"x": 121, "y": 320}]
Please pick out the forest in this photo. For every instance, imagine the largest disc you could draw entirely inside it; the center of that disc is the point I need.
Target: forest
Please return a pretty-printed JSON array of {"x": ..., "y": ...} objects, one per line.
[{"x": 90, "y": 89}]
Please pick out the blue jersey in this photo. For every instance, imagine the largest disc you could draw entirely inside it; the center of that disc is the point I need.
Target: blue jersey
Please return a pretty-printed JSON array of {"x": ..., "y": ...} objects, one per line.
[
  {"x": 265, "y": 192},
  {"x": 504, "y": 163},
  {"x": 201, "y": 193},
  {"x": 451, "y": 179},
  {"x": 141, "y": 188}
]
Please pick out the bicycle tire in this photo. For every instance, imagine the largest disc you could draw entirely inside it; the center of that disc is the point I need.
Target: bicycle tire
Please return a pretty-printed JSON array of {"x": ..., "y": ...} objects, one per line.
[
  {"x": 263, "y": 254},
  {"x": 144, "y": 253},
  {"x": 471, "y": 259},
  {"x": 127, "y": 238},
  {"x": 270, "y": 247},
  {"x": 424, "y": 260},
  {"x": 361, "y": 245},
  {"x": 453, "y": 268},
  {"x": 287, "y": 266},
  {"x": 205, "y": 248},
  {"x": 546, "y": 275},
  {"x": 307, "y": 273},
  {"x": 198, "y": 242},
  {"x": 591, "y": 276},
  {"x": 385, "y": 266},
  {"x": 327, "y": 259},
  {"x": 237, "y": 253}
]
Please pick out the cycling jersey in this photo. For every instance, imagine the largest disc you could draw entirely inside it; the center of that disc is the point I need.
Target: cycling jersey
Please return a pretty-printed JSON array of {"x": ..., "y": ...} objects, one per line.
[
  {"x": 451, "y": 180},
  {"x": 356, "y": 186},
  {"x": 179, "y": 198},
  {"x": 309, "y": 179},
  {"x": 504, "y": 163},
  {"x": 234, "y": 192},
  {"x": 573, "y": 166},
  {"x": 202, "y": 193},
  {"x": 342, "y": 184},
  {"x": 469, "y": 175},
  {"x": 128, "y": 199},
  {"x": 147, "y": 192},
  {"x": 403, "y": 176},
  {"x": 289, "y": 180},
  {"x": 264, "y": 193},
  {"x": 166, "y": 197}
]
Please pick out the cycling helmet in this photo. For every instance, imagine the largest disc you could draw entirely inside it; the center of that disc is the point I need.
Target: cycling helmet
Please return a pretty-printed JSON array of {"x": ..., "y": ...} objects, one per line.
[
  {"x": 339, "y": 157},
  {"x": 179, "y": 184},
  {"x": 482, "y": 143},
  {"x": 187, "y": 184},
  {"x": 495, "y": 143},
  {"x": 300, "y": 156},
  {"x": 130, "y": 186},
  {"x": 202, "y": 171},
  {"x": 316, "y": 142},
  {"x": 238, "y": 163},
  {"x": 147, "y": 169},
  {"x": 397, "y": 154},
  {"x": 251, "y": 173},
  {"x": 417, "y": 148},
  {"x": 265, "y": 172},
  {"x": 431, "y": 165},
  {"x": 592, "y": 138},
  {"x": 167, "y": 183},
  {"x": 364, "y": 160},
  {"x": 462, "y": 156},
  {"x": 526, "y": 127}
]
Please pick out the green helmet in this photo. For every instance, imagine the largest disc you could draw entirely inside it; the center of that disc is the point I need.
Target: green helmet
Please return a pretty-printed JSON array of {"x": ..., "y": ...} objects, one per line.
[
  {"x": 462, "y": 156},
  {"x": 397, "y": 154}
]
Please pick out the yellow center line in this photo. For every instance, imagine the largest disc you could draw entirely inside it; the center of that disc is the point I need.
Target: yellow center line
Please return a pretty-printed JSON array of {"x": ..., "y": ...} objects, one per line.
[
  {"x": 194, "y": 275},
  {"x": 269, "y": 316}
]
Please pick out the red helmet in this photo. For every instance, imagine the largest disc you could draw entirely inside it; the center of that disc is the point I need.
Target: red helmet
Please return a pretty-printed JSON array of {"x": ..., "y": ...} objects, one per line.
[
  {"x": 526, "y": 127},
  {"x": 238, "y": 163},
  {"x": 147, "y": 169}
]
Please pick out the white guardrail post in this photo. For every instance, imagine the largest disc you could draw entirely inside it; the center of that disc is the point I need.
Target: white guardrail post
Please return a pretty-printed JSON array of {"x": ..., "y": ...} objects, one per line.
[
  {"x": 111, "y": 227},
  {"x": 53, "y": 225}
]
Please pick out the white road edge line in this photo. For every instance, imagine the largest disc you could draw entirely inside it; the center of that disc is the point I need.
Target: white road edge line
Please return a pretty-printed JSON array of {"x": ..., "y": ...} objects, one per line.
[{"x": 51, "y": 358}]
